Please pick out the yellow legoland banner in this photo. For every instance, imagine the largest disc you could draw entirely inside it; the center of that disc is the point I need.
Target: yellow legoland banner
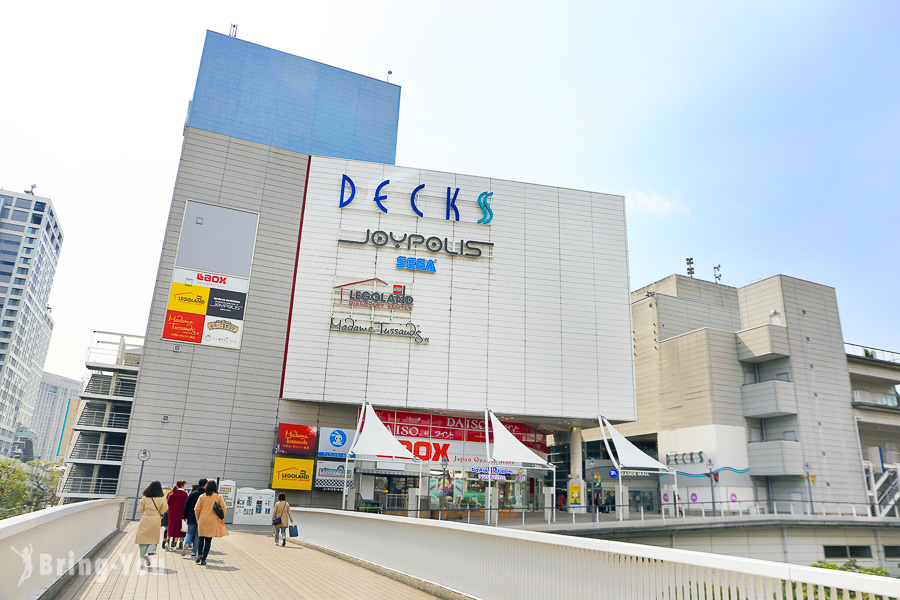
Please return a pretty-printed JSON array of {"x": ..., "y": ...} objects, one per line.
[
  {"x": 188, "y": 298},
  {"x": 292, "y": 474}
]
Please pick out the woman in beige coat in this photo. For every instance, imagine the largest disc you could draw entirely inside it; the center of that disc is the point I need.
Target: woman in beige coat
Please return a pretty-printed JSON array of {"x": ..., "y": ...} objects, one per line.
[
  {"x": 209, "y": 525},
  {"x": 152, "y": 506},
  {"x": 282, "y": 509}
]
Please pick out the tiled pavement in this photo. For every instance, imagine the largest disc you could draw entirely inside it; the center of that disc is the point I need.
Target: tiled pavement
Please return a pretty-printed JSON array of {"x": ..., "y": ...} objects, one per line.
[{"x": 245, "y": 564}]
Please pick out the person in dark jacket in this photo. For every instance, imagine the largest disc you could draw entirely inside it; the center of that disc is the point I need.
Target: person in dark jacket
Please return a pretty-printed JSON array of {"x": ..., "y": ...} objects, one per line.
[{"x": 191, "y": 539}]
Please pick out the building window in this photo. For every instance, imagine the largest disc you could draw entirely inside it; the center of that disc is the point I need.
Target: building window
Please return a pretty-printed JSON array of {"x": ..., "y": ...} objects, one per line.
[
  {"x": 19, "y": 215},
  {"x": 23, "y": 203},
  {"x": 849, "y": 551},
  {"x": 29, "y": 240},
  {"x": 10, "y": 312},
  {"x": 892, "y": 552},
  {"x": 12, "y": 302},
  {"x": 7, "y": 323},
  {"x": 21, "y": 270},
  {"x": 33, "y": 230},
  {"x": 5, "y": 334},
  {"x": 27, "y": 250},
  {"x": 19, "y": 281},
  {"x": 40, "y": 206},
  {"x": 16, "y": 292},
  {"x": 36, "y": 219}
]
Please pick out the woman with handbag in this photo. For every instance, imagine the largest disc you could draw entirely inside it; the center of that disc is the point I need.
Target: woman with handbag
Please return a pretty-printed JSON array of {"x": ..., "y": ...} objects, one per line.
[
  {"x": 151, "y": 507},
  {"x": 282, "y": 512},
  {"x": 210, "y": 511}
]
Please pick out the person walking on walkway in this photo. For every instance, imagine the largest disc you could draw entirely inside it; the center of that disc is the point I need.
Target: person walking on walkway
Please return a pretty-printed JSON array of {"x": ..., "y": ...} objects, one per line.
[
  {"x": 151, "y": 507},
  {"x": 176, "y": 501},
  {"x": 192, "y": 539},
  {"x": 282, "y": 511},
  {"x": 210, "y": 511}
]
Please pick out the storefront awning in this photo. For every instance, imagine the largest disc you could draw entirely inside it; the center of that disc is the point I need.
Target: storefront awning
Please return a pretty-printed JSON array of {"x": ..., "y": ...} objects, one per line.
[
  {"x": 373, "y": 440},
  {"x": 629, "y": 455}
]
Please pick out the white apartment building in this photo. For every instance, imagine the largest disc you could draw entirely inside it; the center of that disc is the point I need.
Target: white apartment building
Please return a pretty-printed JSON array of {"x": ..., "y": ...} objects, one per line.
[
  {"x": 56, "y": 404},
  {"x": 30, "y": 241}
]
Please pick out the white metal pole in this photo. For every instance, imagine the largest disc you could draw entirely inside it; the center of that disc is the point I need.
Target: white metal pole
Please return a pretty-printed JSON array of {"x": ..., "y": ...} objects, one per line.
[
  {"x": 675, "y": 499},
  {"x": 487, "y": 451},
  {"x": 359, "y": 424},
  {"x": 553, "y": 495}
]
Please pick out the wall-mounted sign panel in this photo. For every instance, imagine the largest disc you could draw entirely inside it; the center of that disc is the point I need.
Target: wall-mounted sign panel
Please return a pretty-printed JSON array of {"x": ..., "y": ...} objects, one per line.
[
  {"x": 296, "y": 439},
  {"x": 292, "y": 474},
  {"x": 208, "y": 293},
  {"x": 520, "y": 290}
]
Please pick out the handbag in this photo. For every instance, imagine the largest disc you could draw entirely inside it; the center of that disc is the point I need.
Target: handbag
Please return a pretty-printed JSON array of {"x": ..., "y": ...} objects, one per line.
[
  {"x": 292, "y": 531},
  {"x": 184, "y": 526},
  {"x": 218, "y": 509},
  {"x": 276, "y": 521}
]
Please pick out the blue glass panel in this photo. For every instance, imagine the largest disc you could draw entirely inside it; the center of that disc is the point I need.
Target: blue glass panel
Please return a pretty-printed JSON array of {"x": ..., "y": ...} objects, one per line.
[{"x": 262, "y": 95}]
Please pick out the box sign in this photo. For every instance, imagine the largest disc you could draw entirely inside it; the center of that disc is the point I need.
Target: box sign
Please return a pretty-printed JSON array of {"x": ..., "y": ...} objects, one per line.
[
  {"x": 389, "y": 329},
  {"x": 296, "y": 439},
  {"x": 433, "y": 438},
  {"x": 334, "y": 442},
  {"x": 292, "y": 474}
]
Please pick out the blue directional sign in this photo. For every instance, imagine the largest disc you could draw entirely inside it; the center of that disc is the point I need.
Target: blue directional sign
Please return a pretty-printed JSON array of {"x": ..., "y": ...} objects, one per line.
[{"x": 613, "y": 473}]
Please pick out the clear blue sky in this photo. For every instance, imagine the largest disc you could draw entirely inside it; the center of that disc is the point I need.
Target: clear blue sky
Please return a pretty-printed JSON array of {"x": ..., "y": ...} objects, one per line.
[{"x": 762, "y": 136}]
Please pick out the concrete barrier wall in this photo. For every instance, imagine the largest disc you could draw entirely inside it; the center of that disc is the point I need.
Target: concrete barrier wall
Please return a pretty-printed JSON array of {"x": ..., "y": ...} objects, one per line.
[
  {"x": 37, "y": 548},
  {"x": 488, "y": 562}
]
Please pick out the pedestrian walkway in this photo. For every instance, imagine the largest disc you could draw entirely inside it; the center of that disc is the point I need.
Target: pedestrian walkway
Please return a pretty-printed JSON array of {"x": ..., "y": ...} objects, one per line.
[{"x": 245, "y": 564}]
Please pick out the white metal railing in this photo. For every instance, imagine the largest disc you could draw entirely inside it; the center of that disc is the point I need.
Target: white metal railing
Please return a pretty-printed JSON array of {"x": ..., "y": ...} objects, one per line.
[
  {"x": 94, "y": 451},
  {"x": 114, "y": 357},
  {"x": 486, "y": 562},
  {"x": 99, "y": 418},
  {"x": 874, "y": 353},
  {"x": 90, "y": 485},
  {"x": 53, "y": 536}
]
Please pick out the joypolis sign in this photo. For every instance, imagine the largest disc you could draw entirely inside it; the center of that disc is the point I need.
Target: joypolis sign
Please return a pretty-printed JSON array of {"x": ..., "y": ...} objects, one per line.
[{"x": 451, "y": 199}]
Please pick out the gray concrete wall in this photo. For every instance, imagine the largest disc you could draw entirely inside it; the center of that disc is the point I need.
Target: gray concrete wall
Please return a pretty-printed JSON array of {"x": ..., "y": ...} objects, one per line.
[{"x": 222, "y": 404}]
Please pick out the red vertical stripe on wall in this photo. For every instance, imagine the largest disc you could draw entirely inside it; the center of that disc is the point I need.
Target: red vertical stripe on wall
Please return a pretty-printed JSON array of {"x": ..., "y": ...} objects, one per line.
[{"x": 287, "y": 337}]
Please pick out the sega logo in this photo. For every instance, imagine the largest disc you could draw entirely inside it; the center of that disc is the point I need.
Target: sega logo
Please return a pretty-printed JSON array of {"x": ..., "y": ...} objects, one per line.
[
  {"x": 211, "y": 278},
  {"x": 416, "y": 264}
]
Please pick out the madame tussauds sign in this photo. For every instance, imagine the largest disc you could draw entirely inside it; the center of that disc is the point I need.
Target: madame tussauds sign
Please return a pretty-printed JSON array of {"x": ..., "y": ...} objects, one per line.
[{"x": 351, "y": 325}]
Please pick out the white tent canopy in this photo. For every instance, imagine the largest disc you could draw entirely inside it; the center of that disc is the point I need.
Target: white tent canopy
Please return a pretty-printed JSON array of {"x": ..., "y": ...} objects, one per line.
[
  {"x": 509, "y": 449},
  {"x": 374, "y": 440},
  {"x": 629, "y": 455}
]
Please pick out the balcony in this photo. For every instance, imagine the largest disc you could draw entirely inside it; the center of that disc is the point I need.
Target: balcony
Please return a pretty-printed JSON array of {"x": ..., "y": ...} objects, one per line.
[
  {"x": 96, "y": 453},
  {"x": 89, "y": 487},
  {"x": 779, "y": 457},
  {"x": 759, "y": 344},
  {"x": 98, "y": 420},
  {"x": 874, "y": 400},
  {"x": 106, "y": 385},
  {"x": 773, "y": 398}
]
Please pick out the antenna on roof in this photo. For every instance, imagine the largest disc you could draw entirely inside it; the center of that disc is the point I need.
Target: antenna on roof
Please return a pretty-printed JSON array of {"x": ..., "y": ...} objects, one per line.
[
  {"x": 233, "y": 31},
  {"x": 690, "y": 266},
  {"x": 389, "y": 76},
  {"x": 717, "y": 272},
  {"x": 31, "y": 191}
]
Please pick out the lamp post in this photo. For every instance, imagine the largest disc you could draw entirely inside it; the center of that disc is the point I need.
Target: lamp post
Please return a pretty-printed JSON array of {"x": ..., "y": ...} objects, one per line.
[
  {"x": 143, "y": 456},
  {"x": 710, "y": 463},
  {"x": 807, "y": 468}
]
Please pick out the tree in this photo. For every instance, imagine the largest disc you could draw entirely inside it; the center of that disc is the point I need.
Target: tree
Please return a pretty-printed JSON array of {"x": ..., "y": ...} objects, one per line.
[
  {"x": 43, "y": 479},
  {"x": 13, "y": 487}
]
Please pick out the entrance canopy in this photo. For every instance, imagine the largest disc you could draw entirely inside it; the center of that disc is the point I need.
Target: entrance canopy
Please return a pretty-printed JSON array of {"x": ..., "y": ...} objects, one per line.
[
  {"x": 507, "y": 448},
  {"x": 373, "y": 440},
  {"x": 630, "y": 457}
]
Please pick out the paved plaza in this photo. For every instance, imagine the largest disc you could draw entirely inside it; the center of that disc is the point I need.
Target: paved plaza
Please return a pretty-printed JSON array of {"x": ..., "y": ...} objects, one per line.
[{"x": 245, "y": 564}]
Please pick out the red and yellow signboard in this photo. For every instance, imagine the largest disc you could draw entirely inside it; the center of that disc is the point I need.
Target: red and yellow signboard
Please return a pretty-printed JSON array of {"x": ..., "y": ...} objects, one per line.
[
  {"x": 292, "y": 474},
  {"x": 206, "y": 309},
  {"x": 296, "y": 439}
]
